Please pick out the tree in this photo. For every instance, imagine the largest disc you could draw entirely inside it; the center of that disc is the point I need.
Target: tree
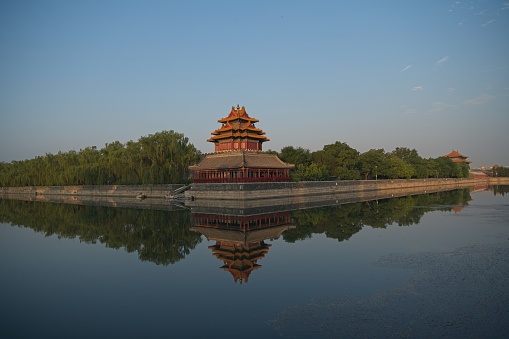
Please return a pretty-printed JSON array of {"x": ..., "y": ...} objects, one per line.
[
  {"x": 450, "y": 169},
  {"x": 372, "y": 163},
  {"x": 340, "y": 160},
  {"x": 500, "y": 171},
  {"x": 155, "y": 159},
  {"x": 398, "y": 168},
  {"x": 296, "y": 156},
  {"x": 411, "y": 157}
]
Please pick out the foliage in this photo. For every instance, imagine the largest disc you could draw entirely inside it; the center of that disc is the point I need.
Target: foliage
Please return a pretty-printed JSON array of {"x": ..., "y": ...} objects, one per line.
[
  {"x": 343, "y": 221},
  {"x": 296, "y": 156},
  {"x": 500, "y": 189},
  {"x": 341, "y": 162},
  {"x": 305, "y": 168},
  {"x": 164, "y": 158},
  {"x": 372, "y": 163},
  {"x": 160, "y": 158},
  {"x": 161, "y": 237},
  {"x": 164, "y": 237},
  {"x": 501, "y": 171}
]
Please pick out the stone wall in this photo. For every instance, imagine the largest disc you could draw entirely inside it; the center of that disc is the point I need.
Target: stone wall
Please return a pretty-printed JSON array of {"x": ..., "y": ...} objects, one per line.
[
  {"x": 128, "y": 191},
  {"x": 253, "y": 191}
]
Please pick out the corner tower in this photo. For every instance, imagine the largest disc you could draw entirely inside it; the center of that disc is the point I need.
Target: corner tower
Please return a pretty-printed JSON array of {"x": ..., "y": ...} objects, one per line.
[
  {"x": 238, "y": 132},
  {"x": 238, "y": 155}
]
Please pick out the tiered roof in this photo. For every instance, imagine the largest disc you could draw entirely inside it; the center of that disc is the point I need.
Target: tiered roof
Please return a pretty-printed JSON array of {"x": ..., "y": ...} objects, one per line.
[
  {"x": 240, "y": 251},
  {"x": 240, "y": 259},
  {"x": 238, "y": 124},
  {"x": 457, "y": 157},
  {"x": 240, "y": 159},
  {"x": 238, "y": 154}
]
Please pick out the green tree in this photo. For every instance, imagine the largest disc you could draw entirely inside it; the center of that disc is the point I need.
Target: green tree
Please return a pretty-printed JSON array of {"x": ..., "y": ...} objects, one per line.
[
  {"x": 500, "y": 171},
  {"x": 398, "y": 168},
  {"x": 411, "y": 157},
  {"x": 372, "y": 163},
  {"x": 155, "y": 159},
  {"x": 296, "y": 156},
  {"x": 340, "y": 160}
]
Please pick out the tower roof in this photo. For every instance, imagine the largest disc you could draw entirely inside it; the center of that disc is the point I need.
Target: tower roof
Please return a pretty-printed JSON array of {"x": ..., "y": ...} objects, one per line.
[
  {"x": 240, "y": 159},
  {"x": 457, "y": 157},
  {"x": 238, "y": 125}
]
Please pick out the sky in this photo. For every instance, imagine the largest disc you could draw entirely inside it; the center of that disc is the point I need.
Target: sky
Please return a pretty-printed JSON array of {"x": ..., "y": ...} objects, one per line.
[{"x": 431, "y": 75}]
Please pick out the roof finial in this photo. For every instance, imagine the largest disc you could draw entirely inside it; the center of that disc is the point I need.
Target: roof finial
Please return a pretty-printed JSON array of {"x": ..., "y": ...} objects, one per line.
[{"x": 238, "y": 106}]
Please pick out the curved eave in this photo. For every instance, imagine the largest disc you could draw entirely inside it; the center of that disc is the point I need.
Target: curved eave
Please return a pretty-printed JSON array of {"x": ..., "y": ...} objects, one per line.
[
  {"x": 224, "y": 130},
  {"x": 240, "y": 159},
  {"x": 237, "y": 136},
  {"x": 228, "y": 119}
]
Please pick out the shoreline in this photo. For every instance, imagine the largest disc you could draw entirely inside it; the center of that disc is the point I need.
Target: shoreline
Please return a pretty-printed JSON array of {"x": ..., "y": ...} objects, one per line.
[
  {"x": 243, "y": 199},
  {"x": 252, "y": 191}
]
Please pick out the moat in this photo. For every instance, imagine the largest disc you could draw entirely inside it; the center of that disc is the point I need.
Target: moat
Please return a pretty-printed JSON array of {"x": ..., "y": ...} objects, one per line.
[{"x": 422, "y": 265}]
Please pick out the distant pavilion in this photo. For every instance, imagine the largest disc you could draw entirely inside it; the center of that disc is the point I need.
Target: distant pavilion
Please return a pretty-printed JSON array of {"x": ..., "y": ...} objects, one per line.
[
  {"x": 457, "y": 157},
  {"x": 238, "y": 155}
]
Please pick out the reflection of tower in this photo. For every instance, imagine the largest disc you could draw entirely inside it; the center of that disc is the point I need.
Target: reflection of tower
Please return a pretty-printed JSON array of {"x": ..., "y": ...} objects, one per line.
[
  {"x": 240, "y": 259},
  {"x": 240, "y": 240},
  {"x": 457, "y": 208}
]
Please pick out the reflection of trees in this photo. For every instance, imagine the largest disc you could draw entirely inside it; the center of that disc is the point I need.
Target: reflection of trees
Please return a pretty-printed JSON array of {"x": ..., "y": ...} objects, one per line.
[
  {"x": 500, "y": 189},
  {"x": 159, "y": 236},
  {"x": 343, "y": 221},
  {"x": 165, "y": 237}
]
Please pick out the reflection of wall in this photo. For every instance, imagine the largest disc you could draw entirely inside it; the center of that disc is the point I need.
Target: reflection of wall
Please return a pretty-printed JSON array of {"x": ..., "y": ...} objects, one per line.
[
  {"x": 122, "y": 202},
  {"x": 240, "y": 239}
]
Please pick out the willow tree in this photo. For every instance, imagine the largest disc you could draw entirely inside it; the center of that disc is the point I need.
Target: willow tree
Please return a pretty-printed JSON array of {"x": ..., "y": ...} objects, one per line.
[{"x": 160, "y": 158}]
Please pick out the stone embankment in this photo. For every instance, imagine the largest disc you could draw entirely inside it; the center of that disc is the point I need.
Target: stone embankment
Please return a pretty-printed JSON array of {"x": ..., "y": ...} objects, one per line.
[
  {"x": 255, "y": 191},
  {"x": 120, "y": 191}
]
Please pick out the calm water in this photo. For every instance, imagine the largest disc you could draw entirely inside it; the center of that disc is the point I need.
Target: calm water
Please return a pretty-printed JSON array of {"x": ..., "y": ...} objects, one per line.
[{"x": 421, "y": 266}]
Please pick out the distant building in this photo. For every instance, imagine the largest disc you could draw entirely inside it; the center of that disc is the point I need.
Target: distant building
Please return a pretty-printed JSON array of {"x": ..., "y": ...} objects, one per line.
[
  {"x": 457, "y": 157},
  {"x": 478, "y": 174},
  {"x": 238, "y": 155}
]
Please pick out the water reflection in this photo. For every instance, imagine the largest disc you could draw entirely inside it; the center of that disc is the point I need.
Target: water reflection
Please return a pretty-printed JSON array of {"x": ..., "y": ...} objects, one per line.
[
  {"x": 240, "y": 239},
  {"x": 343, "y": 221},
  {"x": 161, "y": 237},
  {"x": 167, "y": 235}
]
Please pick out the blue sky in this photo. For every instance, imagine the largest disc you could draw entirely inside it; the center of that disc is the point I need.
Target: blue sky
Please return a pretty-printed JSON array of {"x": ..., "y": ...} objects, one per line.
[{"x": 429, "y": 75}]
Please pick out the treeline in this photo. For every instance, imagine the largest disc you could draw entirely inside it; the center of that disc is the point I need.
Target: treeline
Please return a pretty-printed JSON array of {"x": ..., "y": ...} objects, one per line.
[
  {"x": 501, "y": 171},
  {"x": 160, "y": 158},
  {"x": 164, "y": 158},
  {"x": 340, "y": 161}
]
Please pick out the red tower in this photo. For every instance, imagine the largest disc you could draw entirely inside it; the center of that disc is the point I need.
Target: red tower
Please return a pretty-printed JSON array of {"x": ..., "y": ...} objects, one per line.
[
  {"x": 238, "y": 155},
  {"x": 238, "y": 132}
]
